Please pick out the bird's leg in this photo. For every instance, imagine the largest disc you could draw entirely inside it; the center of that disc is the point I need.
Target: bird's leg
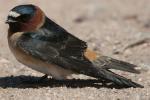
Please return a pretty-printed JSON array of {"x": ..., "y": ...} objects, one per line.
[{"x": 43, "y": 78}]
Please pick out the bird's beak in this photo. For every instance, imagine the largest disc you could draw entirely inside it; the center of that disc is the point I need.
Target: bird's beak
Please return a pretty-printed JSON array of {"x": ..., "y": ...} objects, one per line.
[{"x": 10, "y": 20}]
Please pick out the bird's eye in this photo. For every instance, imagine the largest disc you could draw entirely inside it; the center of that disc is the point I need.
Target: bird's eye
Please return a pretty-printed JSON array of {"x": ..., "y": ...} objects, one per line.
[{"x": 24, "y": 18}]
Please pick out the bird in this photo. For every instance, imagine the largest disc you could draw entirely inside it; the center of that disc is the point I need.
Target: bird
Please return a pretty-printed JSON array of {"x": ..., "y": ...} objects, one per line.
[{"x": 41, "y": 44}]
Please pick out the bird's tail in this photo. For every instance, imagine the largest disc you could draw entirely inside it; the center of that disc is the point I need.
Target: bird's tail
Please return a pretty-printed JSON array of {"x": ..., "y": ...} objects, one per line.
[
  {"x": 117, "y": 79},
  {"x": 110, "y": 63},
  {"x": 103, "y": 64}
]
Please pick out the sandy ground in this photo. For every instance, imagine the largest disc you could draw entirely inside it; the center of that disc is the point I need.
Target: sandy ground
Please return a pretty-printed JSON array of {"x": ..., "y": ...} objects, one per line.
[{"x": 109, "y": 26}]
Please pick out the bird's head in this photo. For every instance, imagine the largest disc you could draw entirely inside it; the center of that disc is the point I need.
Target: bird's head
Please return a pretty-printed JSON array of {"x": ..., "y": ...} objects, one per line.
[{"x": 25, "y": 18}]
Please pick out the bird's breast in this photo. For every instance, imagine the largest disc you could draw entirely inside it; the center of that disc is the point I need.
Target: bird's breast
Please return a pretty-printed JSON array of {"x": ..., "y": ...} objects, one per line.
[{"x": 33, "y": 62}]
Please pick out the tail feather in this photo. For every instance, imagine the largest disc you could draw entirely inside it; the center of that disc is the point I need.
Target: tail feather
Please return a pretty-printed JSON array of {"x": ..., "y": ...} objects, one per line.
[
  {"x": 110, "y": 63},
  {"x": 100, "y": 69},
  {"x": 104, "y": 63},
  {"x": 117, "y": 79}
]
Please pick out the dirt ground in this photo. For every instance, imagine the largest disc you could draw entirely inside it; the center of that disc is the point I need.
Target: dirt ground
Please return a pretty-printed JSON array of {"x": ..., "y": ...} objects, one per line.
[{"x": 108, "y": 26}]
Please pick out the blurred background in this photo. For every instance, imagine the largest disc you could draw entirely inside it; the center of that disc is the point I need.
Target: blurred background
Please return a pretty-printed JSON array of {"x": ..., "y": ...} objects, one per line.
[{"x": 116, "y": 28}]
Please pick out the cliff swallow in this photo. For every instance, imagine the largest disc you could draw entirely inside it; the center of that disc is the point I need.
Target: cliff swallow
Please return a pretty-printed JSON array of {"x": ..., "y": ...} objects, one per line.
[{"x": 41, "y": 44}]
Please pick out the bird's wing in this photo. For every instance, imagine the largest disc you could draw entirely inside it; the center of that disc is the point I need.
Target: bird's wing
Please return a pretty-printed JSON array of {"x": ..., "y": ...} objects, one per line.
[{"x": 68, "y": 53}]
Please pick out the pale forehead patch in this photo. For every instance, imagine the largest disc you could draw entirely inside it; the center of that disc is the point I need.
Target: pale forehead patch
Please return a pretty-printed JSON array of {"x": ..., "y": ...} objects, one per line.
[{"x": 14, "y": 14}]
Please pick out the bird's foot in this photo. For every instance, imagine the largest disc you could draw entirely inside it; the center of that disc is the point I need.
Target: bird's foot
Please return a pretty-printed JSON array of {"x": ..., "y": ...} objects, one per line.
[{"x": 43, "y": 78}]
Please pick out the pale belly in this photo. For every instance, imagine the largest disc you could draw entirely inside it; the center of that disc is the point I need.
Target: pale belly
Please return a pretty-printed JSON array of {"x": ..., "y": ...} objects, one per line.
[
  {"x": 43, "y": 67},
  {"x": 55, "y": 71}
]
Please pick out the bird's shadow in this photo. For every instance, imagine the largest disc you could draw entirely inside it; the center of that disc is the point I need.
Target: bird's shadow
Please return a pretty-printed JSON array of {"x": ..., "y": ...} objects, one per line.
[{"x": 31, "y": 82}]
